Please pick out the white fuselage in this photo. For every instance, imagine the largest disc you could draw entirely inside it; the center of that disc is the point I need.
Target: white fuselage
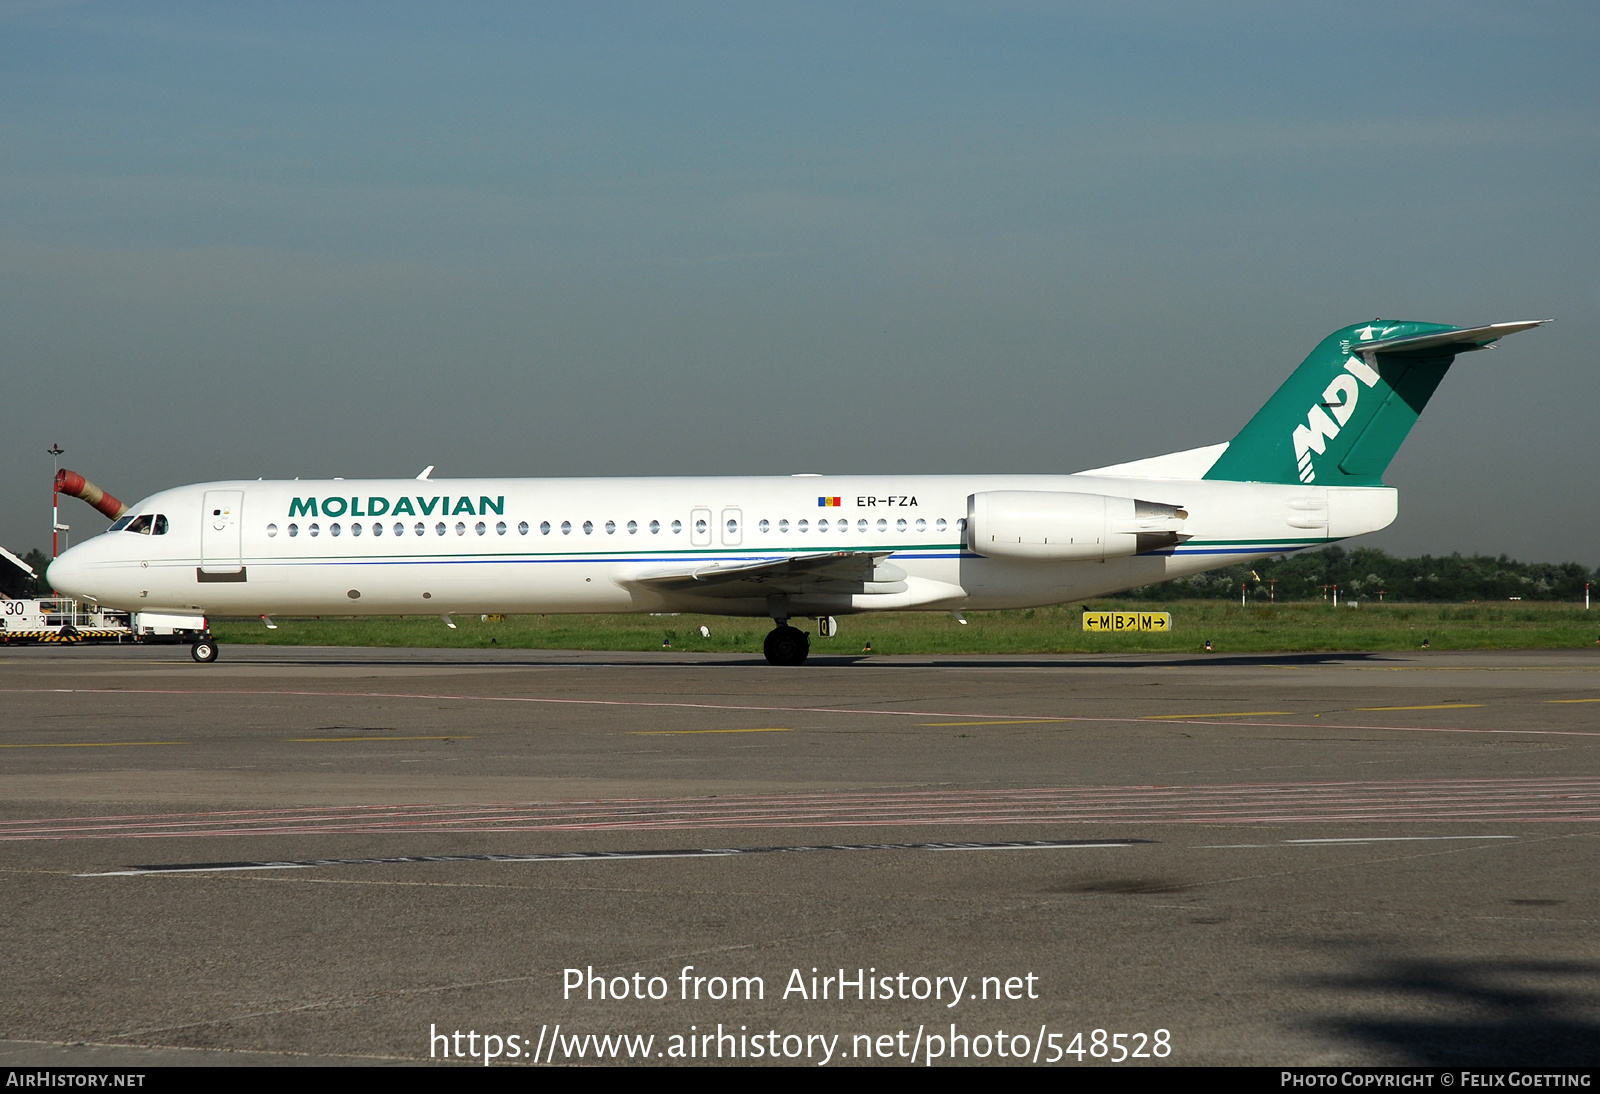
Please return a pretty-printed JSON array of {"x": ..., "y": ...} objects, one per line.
[{"x": 405, "y": 546}]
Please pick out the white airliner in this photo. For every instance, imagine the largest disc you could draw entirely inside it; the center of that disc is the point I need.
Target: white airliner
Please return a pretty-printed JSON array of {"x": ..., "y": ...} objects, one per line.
[{"x": 1305, "y": 471}]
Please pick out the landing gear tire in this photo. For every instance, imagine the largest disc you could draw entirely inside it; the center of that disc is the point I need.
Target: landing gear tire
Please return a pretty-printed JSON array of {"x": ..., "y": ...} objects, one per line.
[
  {"x": 204, "y": 651},
  {"x": 786, "y": 646}
]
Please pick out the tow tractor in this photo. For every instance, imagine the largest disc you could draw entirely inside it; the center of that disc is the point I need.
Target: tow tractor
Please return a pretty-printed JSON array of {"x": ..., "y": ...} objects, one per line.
[
  {"x": 57, "y": 619},
  {"x": 65, "y": 621}
]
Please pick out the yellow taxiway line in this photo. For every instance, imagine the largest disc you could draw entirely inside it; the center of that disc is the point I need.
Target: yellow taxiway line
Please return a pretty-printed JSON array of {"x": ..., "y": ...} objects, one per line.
[{"x": 687, "y": 732}]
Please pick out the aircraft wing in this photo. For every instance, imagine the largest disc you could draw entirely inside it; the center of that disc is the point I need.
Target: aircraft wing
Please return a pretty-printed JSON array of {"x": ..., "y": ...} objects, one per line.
[{"x": 835, "y": 572}]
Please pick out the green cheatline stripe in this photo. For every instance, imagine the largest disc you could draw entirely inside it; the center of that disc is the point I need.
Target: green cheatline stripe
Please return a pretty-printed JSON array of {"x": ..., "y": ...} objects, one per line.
[{"x": 279, "y": 560}]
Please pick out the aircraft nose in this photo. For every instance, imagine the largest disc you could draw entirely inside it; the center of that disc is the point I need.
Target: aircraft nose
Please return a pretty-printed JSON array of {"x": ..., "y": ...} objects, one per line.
[{"x": 66, "y": 573}]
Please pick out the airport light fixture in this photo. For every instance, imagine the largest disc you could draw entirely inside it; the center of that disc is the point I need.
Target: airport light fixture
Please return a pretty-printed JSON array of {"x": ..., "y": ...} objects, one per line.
[{"x": 55, "y": 451}]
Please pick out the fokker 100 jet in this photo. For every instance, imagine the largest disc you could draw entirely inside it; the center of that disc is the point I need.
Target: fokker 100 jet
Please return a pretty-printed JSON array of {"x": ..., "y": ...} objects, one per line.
[{"x": 1305, "y": 471}]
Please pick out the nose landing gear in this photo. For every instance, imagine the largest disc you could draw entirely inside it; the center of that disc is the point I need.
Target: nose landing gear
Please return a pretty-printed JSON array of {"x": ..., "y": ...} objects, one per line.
[{"x": 786, "y": 645}]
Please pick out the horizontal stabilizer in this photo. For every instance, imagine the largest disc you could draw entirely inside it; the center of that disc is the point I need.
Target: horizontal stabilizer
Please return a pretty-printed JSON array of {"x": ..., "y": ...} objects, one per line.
[{"x": 1460, "y": 340}]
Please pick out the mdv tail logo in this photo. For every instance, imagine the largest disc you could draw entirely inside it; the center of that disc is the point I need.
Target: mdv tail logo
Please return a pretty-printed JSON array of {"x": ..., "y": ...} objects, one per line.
[{"x": 1340, "y": 397}]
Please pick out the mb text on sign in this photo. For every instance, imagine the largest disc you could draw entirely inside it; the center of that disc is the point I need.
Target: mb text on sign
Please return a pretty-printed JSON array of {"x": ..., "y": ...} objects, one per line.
[{"x": 1127, "y": 621}]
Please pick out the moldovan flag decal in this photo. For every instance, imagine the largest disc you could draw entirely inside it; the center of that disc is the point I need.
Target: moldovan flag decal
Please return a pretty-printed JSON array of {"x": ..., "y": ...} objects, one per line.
[{"x": 828, "y": 503}]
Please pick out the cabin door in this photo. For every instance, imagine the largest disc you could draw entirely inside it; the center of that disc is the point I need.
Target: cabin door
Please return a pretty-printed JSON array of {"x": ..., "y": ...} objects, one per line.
[{"x": 220, "y": 532}]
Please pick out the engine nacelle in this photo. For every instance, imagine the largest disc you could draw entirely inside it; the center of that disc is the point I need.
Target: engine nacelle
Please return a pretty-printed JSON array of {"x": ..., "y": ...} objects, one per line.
[{"x": 1054, "y": 526}]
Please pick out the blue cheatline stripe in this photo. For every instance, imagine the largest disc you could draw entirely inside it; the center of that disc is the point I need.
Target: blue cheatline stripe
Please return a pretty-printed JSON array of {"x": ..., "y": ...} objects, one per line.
[
  {"x": 716, "y": 554},
  {"x": 520, "y": 561},
  {"x": 569, "y": 560}
]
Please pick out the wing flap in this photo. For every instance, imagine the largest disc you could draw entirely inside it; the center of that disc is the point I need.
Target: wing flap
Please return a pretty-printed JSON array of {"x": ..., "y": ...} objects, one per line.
[{"x": 835, "y": 572}]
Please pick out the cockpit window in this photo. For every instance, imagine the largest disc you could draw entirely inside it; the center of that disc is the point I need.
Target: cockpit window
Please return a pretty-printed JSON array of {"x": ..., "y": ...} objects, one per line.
[
  {"x": 139, "y": 524},
  {"x": 121, "y": 523},
  {"x": 160, "y": 528}
]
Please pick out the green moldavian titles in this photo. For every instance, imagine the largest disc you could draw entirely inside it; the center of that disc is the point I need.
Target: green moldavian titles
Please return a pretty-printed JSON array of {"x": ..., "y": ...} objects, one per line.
[{"x": 401, "y": 507}]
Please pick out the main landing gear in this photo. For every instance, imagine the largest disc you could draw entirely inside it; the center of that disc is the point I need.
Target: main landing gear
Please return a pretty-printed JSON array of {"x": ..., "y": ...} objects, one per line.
[
  {"x": 204, "y": 650},
  {"x": 786, "y": 646}
]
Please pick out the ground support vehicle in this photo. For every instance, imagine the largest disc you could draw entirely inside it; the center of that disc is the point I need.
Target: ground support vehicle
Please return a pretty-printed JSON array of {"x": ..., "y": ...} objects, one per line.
[{"x": 65, "y": 621}]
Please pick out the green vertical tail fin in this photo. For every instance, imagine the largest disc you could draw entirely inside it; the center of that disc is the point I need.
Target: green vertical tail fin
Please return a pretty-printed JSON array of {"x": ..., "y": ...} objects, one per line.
[{"x": 1341, "y": 417}]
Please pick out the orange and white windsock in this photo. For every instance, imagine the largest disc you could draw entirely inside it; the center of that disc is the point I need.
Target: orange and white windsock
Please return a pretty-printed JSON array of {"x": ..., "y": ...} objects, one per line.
[{"x": 75, "y": 485}]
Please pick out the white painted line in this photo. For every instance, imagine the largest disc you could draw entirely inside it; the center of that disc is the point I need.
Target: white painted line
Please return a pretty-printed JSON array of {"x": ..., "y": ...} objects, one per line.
[
  {"x": 611, "y": 856},
  {"x": 207, "y": 869}
]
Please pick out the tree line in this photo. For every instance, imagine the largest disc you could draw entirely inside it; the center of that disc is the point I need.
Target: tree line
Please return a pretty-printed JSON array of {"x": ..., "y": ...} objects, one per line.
[
  {"x": 1366, "y": 573},
  {"x": 16, "y": 584}
]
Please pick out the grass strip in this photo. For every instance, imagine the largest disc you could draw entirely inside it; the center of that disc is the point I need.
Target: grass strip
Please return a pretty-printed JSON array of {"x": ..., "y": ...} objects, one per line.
[{"x": 1258, "y": 628}]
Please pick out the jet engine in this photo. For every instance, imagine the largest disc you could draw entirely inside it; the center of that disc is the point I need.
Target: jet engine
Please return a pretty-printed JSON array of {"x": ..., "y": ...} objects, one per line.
[{"x": 1055, "y": 526}]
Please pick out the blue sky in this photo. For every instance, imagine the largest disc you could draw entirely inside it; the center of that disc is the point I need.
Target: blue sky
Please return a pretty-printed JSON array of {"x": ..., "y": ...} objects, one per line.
[{"x": 316, "y": 240}]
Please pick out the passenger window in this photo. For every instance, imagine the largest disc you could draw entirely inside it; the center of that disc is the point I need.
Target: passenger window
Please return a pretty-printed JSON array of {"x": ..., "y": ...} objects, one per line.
[
  {"x": 566, "y": 527},
  {"x": 500, "y": 528},
  {"x": 804, "y": 525},
  {"x": 822, "y": 526},
  {"x": 961, "y": 525},
  {"x": 294, "y": 530},
  {"x": 399, "y": 528},
  {"x": 883, "y": 525},
  {"x": 461, "y": 527},
  {"x": 420, "y": 529},
  {"x": 522, "y": 528},
  {"x": 481, "y": 528},
  {"x": 611, "y": 527},
  {"x": 439, "y": 528},
  {"x": 355, "y": 529},
  {"x": 655, "y": 527},
  {"x": 377, "y": 528},
  {"x": 315, "y": 529},
  {"x": 940, "y": 524},
  {"x": 900, "y": 525},
  {"x": 160, "y": 528},
  {"x": 733, "y": 527},
  {"x": 861, "y": 525},
  {"x": 333, "y": 529},
  {"x": 700, "y": 526},
  {"x": 633, "y": 527},
  {"x": 783, "y": 525},
  {"x": 544, "y": 528},
  {"x": 677, "y": 527},
  {"x": 764, "y": 525},
  {"x": 588, "y": 527},
  {"x": 272, "y": 530},
  {"x": 922, "y": 525}
]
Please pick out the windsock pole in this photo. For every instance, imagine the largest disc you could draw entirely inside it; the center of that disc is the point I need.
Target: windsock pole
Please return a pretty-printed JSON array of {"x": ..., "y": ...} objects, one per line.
[{"x": 55, "y": 451}]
